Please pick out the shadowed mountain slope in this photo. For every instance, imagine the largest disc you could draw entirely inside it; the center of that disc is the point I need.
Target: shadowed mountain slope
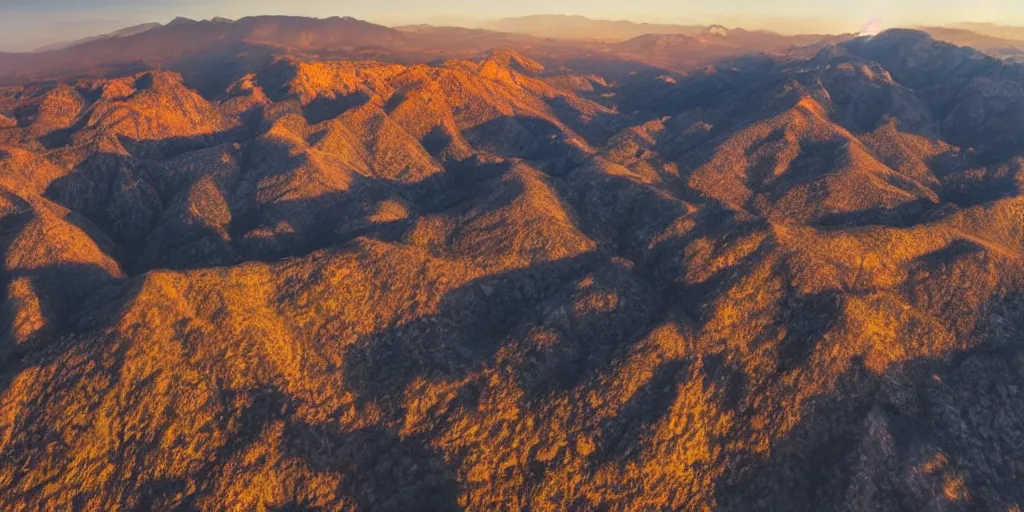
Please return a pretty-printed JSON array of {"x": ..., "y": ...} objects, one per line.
[{"x": 772, "y": 283}]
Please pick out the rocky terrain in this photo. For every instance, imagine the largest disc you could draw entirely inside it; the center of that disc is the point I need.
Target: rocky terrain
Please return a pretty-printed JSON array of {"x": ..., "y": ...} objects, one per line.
[{"x": 778, "y": 282}]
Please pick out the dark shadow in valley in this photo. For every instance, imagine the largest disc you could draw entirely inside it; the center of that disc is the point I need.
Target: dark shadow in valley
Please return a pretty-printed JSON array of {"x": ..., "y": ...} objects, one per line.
[
  {"x": 62, "y": 137},
  {"x": 726, "y": 375},
  {"x": 965, "y": 182},
  {"x": 213, "y": 71},
  {"x": 382, "y": 471},
  {"x": 323, "y": 108},
  {"x": 613, "y": 66},
  {"x": 115, "y": 193},
  {"x": 294, "y": 506},
  {"x": 502, "y": 312},
  {"x": 181, "y": 244},
  {"x": 73, "y": 359},
  {"x": 394, "y": 101},
  {"x": 621, "y": 214},
  {"x": 922, "y": 210},
  {"x": 74, "y": 353},
  {"x": 809, "y": 464},
  {"x": 472, "y": 323},
  {"x": 670, "y": 266},
  {"x": 973, "y": 183},
  {"x": 649, "y": 405},
  {"x": 714, "y": 86},
  {"x": 586, "y": 341},
  {"x": 635, "y": 220},
  {"x": 523, "y": 137},
  {"x": 896, "y": 439},
  {"x": 172, "y": 147},
  {"x": 814, "y": 161},
  {"x": 907, "y": 214},
  {"x": 944, "y": 259},
  {"x": 436, "y": 141},
  {"x": 244, "y": 425},
  {"x": 859, "y": 433},
  {"x": 596, "y": 129},
  {"x": 498, "y": 311},
  {"x": 333, "y": 218},
  {"x": 56, "y": 293},
  {"x": 132, "y": 202},
  {"x": 40, "y": 311},
  {"x": 58, "y": 138},
  {"x": 806, "y": 319}
]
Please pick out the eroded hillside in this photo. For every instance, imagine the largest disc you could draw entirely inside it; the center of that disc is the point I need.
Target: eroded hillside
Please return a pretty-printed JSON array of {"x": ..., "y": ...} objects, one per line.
[{"x": 770, "y": 284}]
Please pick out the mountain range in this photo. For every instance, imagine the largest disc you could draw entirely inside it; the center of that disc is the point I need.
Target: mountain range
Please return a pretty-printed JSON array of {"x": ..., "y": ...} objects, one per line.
[
  {"x": 582, "y": 44},
  {"x": 125, "y": 32},
  {"x": 295, "y": 264},
  {"x": 224, "y": 50},
  {"x": 582, "y": 27},
  {"x": 1006, "y": 48}
]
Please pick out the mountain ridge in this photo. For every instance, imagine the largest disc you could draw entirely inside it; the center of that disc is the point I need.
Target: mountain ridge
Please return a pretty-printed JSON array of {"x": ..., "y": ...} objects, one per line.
[
  {"x": 783, "y": 281},
  {"x": 198, "y": 47}
]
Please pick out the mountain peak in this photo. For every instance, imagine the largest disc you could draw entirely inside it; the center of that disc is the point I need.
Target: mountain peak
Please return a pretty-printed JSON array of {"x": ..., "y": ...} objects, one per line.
[
  {"x": 717, "y": 30},
  {"x": 511, "y": 59},
  {"x": 181, "y": 21},
  {"x": 904, "y": 35}
]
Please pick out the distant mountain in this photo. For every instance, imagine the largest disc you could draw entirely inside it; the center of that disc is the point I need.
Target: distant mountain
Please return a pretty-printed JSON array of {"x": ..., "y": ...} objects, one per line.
[
  {"x": 213, "y": 42},
  {"x": 993, "y": 30},
  {"x": 125, "y": 32},
  {"x": 678, "y": 51},
  {"x": 995, "y": 46},
  {"x": 217, "y": 52},
  {"x": 580, "y": 27}
]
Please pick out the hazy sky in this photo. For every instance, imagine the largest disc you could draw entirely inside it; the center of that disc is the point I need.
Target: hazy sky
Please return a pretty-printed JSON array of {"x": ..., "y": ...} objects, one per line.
[{"x": 26, "y": 24}]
